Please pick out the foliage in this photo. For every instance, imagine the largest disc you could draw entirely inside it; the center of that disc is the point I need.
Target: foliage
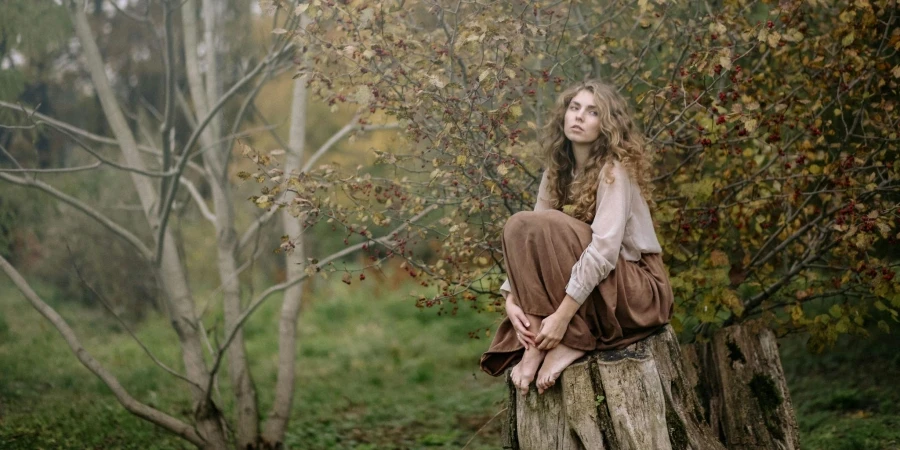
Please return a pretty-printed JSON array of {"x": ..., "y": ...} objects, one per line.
[{"x": 773, "y": 125}]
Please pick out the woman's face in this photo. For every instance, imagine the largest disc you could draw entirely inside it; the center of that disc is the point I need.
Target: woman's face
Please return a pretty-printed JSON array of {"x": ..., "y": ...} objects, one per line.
[{"x": 582, "y": 122}]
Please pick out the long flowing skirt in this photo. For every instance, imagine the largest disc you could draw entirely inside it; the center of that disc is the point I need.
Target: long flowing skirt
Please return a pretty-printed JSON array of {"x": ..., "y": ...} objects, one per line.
[{"x": 540, "y": 248}]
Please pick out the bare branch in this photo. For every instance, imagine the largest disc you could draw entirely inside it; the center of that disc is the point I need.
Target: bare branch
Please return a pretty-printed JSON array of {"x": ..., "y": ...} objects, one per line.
[
  {"x": 351, "y": 126},
  {"x": 166, "y": 205},
  {"x": 60, "y": 170},
  {"x": 135, "y": 407},
  {"x": 127, "y": 328},
  {"x": 143, "y": 250},
  {"x": 198, "y": 199},
  {"x": 282, "y": 286}
]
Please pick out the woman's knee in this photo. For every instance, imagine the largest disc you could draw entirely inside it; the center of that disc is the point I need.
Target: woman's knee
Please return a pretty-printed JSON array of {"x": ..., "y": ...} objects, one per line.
[{"x": 524, "y": 223}]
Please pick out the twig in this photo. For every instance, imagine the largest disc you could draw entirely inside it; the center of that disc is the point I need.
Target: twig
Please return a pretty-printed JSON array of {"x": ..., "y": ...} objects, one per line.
[
  {"x": 482, "y": 427},
  {"x": 125, "y": 325}
]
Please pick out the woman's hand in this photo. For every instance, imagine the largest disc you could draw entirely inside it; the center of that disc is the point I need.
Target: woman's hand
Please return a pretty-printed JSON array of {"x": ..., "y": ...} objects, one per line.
[
  {"x": 553, "y": 327},
  {"x": 519, "y": 322}
]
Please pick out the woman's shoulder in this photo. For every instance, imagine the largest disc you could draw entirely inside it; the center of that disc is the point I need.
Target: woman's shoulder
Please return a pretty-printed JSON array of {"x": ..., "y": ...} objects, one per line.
[{"x": 613, "y": 169}]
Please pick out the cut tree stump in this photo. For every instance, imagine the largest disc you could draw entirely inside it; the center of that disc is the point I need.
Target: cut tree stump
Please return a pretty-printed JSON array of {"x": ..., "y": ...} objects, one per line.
[
  {"x": 644, "y": 397},
  {"x": 743, "y": 390}
]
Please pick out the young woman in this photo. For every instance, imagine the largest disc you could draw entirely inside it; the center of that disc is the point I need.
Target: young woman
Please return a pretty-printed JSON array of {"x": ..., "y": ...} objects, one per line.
[{"x": 584, "y": 269}]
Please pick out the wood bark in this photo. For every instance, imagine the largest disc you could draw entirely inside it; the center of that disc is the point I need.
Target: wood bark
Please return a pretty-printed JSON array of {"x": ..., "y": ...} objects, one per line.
[
  {"x": 276, "y": 424},
  {"x": 226, "y": 241},
  {"x": 745, "y": 395}
]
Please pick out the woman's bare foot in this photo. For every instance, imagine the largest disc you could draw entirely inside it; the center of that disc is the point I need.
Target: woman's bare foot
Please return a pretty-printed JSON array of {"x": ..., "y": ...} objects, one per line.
[
  {"x": 523, "y": 373},
  {"x": 556, "y": 360}
]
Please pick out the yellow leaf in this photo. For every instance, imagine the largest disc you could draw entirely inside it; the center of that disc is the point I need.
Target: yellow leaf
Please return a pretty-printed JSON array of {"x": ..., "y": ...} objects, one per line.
[
  {"x": 516, "y": 111},
  {"x": 301, "y": 8},
  {"x": 848, "y": 39},
  {"x": 773, "y": 39},
  {"x": 750, "y": 124},
  {"x": 718, "y": 258}
]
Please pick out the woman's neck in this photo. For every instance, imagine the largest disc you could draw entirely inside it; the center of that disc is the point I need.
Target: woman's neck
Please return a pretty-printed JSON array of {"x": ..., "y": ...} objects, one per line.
[{"x": 581, "y": 152}]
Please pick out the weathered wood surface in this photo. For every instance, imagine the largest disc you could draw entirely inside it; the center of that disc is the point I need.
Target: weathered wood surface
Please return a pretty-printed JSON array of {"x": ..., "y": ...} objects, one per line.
[
  {"x": 657, "y": 394},
  {"x": 748, "y": 399},
  {"x": 629, "y": 399}
]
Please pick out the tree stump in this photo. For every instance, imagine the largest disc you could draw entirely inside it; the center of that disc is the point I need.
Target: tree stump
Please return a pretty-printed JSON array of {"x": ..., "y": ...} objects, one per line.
[
  {"x": 636, "y": 398},
  {"x": 645, "y": 397},
  {"x": 742, "y": 388}
]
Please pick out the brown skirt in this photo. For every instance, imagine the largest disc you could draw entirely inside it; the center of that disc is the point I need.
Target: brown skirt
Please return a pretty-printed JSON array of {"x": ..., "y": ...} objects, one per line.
[{"x": 540, "y": 248}]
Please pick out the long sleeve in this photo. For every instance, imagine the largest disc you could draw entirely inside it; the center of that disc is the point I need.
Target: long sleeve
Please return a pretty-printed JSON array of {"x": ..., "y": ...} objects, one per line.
[
  {"x": 542, "y": 203},
  {"x": 614, "y": 201}
]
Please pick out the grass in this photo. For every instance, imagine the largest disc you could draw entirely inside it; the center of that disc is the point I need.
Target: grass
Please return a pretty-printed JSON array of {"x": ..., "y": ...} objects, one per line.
[
  {"x": 847, "y": 398},
  {"x": 374, "y": 372}
]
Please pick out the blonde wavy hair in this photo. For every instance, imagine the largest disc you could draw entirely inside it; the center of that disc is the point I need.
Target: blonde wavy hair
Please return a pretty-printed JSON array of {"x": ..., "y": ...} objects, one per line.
[{"x": 619, "y": 139}]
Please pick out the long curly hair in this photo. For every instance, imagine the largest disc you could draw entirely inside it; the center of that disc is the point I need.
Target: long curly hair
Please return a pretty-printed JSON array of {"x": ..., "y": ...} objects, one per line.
[{"x": 619, "y": 139}]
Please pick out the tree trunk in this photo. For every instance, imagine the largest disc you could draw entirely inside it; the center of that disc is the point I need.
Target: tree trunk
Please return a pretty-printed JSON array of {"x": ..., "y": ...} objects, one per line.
[
  {"x": 646, "y": 397},
  {"x": 743, "y": 390},
  {"x": 276, "y": 425},
  {"x": 171, "y": 270}
]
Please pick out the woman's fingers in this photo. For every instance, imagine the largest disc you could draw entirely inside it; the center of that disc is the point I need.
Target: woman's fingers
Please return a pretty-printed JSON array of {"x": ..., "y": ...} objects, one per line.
[
  {"x": 520, "y": 324},
  {"x": 545, "y": 342},
  {"x": 523, "y": 341}
]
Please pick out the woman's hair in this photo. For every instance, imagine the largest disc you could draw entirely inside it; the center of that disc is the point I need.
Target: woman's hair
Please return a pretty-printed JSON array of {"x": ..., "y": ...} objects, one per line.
[{"x": 619, "y": 139}]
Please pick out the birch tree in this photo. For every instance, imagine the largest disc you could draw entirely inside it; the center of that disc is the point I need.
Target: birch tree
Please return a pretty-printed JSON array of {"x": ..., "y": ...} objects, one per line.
[{"x": 190, "y": 135}]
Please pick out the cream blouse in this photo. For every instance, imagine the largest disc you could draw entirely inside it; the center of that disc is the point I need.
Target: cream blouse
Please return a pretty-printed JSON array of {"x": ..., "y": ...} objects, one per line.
[{"x": 622, "y": 225}]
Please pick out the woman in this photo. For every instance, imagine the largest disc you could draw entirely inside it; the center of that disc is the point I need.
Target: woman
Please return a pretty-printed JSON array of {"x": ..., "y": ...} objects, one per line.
[{"x": 584, "y": 268}]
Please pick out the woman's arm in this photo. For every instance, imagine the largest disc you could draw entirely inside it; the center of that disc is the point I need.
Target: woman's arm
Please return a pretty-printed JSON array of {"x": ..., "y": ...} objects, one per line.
[
  {"x": 598, "y": 259},
  {"x": 614, "y": 200}
]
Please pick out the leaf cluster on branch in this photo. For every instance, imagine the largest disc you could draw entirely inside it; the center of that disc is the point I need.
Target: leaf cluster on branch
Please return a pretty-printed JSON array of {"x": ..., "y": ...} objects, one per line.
[{"x": 773, "y": 127}]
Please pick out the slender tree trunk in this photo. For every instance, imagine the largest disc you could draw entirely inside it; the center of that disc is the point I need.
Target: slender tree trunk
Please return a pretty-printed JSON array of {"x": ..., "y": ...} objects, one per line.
[
  {"x": 227, "y": 241},
  {"x": 171, "y": 272},
  {"x": 276, "y": 424}
]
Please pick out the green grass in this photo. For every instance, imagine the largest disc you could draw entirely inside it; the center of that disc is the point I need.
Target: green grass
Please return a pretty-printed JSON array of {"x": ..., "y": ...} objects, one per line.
[
  {"x": 847, "y": 398},
  {"x": 374, "y": 372}
]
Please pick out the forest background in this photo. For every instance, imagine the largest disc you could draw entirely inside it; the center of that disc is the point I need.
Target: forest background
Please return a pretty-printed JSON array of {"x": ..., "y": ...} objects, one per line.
[{"x": 411, "y": 127}]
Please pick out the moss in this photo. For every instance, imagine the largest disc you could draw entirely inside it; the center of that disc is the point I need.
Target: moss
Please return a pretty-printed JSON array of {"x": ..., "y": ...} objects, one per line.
[
  {"x": 769, "y": 398},
  {"x": 677, "y": 432},
  {"x": 734, "y": 352},
  {"x": 763, "y": 388},
  {"x": 703, "y": 412}
]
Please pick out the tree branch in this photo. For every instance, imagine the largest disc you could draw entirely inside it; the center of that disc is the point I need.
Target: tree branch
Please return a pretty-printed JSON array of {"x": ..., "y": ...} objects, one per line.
[
  {"x": 351, "y": 126},
  {"x": 143, "y": 250},
  {"x": 282, "y": 286},
  {"x": 133, "y": 406},
  {"x": 127, "y": 328},
  {"x": 166, "y": 205},
  {"x": 198, "y": 199}
]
